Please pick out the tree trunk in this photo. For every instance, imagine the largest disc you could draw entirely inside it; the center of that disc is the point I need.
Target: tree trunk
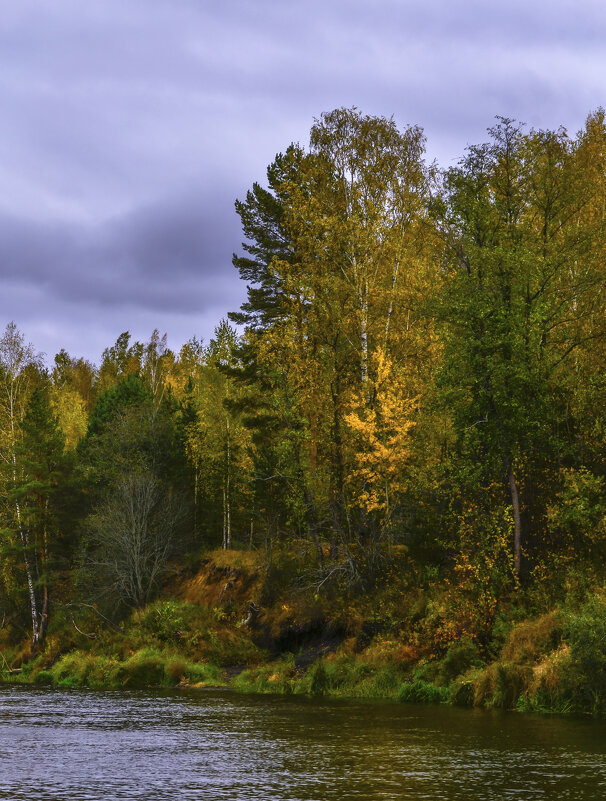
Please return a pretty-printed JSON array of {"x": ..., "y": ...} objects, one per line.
[
  {"x": 364, "y": 342},
  {"x": 517, "y": 540},
  {"x": 28, "y": 573},
  {"x": 44, "y": 615},
  {"x": 31, "y": 592},
  {"x": 394, "y": 279},
  {"x": 228, "y": 518},
  {"x": 224, "y": 518},
  {"x": 228, "y": 491},
  {"x": 195, "y": 501}
]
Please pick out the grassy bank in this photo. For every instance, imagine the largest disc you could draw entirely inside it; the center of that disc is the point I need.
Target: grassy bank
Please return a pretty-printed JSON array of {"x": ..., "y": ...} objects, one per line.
[
  {"x": 170, "y": 642},
  {"x": 555, "y": 663},
  {"x": 147, "y": 667},
  {"x": 388, "y": 646}
]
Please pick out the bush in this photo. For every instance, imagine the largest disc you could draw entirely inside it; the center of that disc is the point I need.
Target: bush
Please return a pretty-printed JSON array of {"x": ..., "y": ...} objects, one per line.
[
  {"x": 43, "y": 677},
  {"x": 462, "y": 692},
  {"x": 277, "y": 677},
  {"x": 459, "y": 658},
  {"x": 145, "y": 668},
  {"x": 510, "y": 682},
  {"x": 202, "y": 674},
  {"x": 165, "y": 620},
  {"x": 584, "y": 632}
]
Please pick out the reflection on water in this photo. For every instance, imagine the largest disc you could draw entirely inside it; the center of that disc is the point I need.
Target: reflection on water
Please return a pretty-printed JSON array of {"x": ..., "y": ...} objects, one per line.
[{"x": 76, "y": 745}]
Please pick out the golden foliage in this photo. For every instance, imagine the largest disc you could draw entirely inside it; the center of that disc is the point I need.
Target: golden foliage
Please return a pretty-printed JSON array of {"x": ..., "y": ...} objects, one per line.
[
  {"x": 70, "y": 410},
  {"x": 381, "y": 420}
]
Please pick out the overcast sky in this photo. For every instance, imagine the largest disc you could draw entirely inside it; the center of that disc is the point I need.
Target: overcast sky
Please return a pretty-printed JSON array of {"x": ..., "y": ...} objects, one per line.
[{"x": 129, "y": 127}]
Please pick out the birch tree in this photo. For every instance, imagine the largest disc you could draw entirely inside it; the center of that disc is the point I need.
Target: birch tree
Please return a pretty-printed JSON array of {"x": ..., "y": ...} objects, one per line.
[
  {"x": 365, "y": 208},
  {"x": 340, "y": 257},
  {"x": 19, "y": 366},
  {"x": 218, "y": 443}
]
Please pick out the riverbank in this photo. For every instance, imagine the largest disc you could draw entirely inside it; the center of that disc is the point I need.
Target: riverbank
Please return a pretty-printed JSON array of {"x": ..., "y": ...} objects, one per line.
[
  {"x": 231, "y": 624},
  {"x": 550, "y": 684}
]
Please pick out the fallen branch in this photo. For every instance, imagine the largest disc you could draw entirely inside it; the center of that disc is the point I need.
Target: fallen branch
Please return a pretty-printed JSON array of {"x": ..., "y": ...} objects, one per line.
[
  {"x": 9, "y": 669},
  {"x": 102, "y": 616},
  {"x": 83, "y": 633}
]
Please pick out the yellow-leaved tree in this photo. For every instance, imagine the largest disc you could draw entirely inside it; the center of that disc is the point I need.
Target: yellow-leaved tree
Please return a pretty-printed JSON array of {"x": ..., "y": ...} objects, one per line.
[
  {"x": 69, "y": 408},
  {"x": 381, "y": 428}
]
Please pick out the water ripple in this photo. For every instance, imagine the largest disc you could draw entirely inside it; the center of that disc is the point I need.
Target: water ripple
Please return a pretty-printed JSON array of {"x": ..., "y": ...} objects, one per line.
[{"x": 88, "y": 746}]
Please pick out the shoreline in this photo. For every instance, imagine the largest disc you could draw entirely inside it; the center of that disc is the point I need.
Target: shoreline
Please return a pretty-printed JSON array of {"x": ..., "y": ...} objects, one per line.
[{"x": 350, "y": 679}]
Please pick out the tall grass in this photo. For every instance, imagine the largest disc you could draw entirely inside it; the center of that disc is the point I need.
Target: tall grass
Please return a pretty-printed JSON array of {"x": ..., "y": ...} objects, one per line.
[{"x": 147, "y": 667}]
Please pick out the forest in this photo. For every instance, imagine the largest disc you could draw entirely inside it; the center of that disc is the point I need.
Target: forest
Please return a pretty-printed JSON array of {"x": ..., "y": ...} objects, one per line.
[{"x": 399, "y": 438}]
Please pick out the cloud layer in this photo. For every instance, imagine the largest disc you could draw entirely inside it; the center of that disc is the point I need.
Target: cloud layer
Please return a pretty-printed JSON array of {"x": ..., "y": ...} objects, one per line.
[{"x": 128, "y": 129}]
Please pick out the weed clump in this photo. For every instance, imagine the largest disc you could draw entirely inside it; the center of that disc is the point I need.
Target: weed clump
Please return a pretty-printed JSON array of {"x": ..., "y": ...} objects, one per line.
[{"x": 421, "y": 692}]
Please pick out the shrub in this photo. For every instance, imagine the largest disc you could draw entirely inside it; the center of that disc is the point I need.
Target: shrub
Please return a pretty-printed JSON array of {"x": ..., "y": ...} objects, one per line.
[
  {"x": 501, "y": 685},
  {"x": 277, "y": 677},
  {"x": 459, "y": 658},
  {"x": 462, "y": 691},
  {"x": 146, "y": 668},
  {"x": 510, "y": 682},
  {"x": 175, "y": 669},
  {"x": 202, "y": 674},
  {"x": 43, "y": 677},
  {"x": 165, "y": 620},
  {"x": 584, "y": 632}
]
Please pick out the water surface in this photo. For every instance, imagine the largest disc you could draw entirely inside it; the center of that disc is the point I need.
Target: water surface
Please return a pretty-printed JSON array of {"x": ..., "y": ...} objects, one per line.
[{"x": 76, "y": 745}]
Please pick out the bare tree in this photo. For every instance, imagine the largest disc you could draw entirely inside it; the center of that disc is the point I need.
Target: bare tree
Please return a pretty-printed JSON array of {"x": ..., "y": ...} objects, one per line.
[{"x": 131, "y": 536}]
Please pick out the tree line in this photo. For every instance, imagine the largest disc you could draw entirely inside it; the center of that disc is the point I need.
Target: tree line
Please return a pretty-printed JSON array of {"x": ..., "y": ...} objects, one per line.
[{"x": 419, "y": 364}]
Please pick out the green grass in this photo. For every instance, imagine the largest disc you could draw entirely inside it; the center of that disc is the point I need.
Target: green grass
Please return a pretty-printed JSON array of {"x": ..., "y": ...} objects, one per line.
[
  {"x": 147, "y": 667},
  {"x": 346, "y": 677}
]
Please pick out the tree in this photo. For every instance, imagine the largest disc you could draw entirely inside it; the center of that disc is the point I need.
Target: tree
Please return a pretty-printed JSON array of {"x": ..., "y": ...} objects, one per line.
[
  {"x": 365, "y": 210},
  {"x": 266, "y": 370},
  {"x": 41, "y": 478},
  {"x": 218, "y": 443},
  {"x": 357, "y": 221},
  {"x": 130, "y": 537},
  {"x": 338, "y": 259},
  {"x": 19, "y": 368},
  {"x": 131, "y": 462},
  {"x": 521, "y": 279},
  {"x": 157, "y": 359},
  {"x": 120, "y": 360},
  {"x": 77, "y": 377},
  {"x": 70, "y": 411},
  {"x": 263, "y": 218},
  {"x": 383, "y": 435},
  {"x": 129, "y": 392}
]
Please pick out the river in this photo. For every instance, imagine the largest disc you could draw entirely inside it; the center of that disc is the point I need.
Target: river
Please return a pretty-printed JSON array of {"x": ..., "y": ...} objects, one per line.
[{"x": 83, "y": 745}]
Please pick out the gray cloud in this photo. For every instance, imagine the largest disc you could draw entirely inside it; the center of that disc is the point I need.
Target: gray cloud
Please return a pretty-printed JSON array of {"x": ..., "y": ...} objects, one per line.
[
  {"x": 147, "y": 251},
  {"x": 129, "y": 128},
  {"x": 170, "y": 259}
]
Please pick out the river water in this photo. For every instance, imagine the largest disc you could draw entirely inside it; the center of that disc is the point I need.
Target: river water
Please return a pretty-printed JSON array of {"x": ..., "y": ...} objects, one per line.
[{"x": 76, "y": 745}]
